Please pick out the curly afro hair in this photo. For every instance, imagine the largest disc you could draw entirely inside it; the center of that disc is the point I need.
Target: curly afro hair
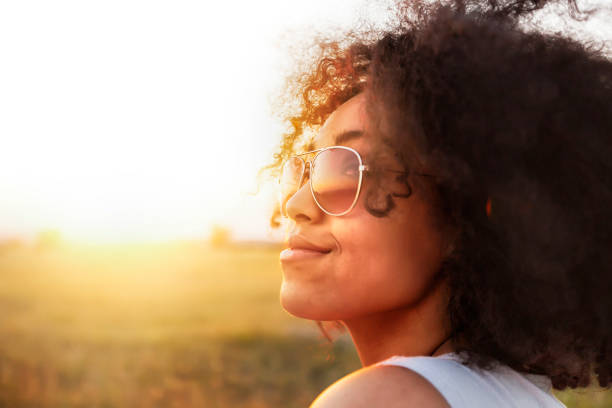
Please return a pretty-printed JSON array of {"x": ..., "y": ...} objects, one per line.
[{"x": 516, "y": 125}]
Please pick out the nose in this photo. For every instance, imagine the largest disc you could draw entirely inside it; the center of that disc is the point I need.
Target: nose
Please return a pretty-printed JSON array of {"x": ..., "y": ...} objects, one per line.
[{"x": 301, "y": 206}]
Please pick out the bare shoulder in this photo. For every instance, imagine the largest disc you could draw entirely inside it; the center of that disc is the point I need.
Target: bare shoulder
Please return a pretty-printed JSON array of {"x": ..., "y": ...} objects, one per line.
[{"x": 381, "y": 386}]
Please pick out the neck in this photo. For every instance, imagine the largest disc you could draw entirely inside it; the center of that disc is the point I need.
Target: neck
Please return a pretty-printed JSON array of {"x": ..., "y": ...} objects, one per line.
[{"x": 420, "y": 329}]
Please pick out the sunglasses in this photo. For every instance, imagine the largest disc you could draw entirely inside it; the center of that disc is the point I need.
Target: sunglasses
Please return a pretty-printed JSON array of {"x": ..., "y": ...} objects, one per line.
[{"x": 335, "y": 177}]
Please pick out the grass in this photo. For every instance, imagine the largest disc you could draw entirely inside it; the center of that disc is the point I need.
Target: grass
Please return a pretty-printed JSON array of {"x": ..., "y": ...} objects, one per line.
[{"x": 162, "y": 325}]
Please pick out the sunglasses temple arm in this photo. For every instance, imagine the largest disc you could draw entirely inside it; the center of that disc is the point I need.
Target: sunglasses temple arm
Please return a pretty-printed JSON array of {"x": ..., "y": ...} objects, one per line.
[{"x": 366, "y": 169}]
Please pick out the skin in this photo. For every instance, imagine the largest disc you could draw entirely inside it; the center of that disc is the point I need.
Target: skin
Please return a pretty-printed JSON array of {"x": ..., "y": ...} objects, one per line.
[{"x": 380, "y": 280}]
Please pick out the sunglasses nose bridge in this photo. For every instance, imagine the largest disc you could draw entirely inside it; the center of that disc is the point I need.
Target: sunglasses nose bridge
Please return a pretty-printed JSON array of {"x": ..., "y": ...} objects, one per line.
[
  {"x": 285, "y": 196},
  {"x": 305, "y": 179}
]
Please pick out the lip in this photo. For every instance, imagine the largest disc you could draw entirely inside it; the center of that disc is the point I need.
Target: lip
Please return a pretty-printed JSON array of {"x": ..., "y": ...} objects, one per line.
[
  {"x": 296, "y": 254},
  {"x": 301, "y": 248},
  {"x": 298, "y": 241}
]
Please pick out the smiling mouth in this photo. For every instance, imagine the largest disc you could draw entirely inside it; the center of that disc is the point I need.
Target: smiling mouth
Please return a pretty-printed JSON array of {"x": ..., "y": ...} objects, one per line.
[{"x": 295, "y": 254}]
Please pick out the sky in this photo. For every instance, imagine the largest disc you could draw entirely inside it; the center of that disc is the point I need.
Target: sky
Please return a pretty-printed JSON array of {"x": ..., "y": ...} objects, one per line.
[
  {"x": 143, "y": 120},
  {"x": 147, "y": 120}
]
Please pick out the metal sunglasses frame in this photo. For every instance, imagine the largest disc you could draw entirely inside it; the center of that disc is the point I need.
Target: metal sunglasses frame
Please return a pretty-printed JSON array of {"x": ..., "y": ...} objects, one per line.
[{"x": 362, "y": 169}]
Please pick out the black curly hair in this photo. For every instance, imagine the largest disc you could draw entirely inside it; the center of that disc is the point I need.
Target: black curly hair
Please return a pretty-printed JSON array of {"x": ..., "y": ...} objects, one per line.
[{"x": 516, "y": 125}]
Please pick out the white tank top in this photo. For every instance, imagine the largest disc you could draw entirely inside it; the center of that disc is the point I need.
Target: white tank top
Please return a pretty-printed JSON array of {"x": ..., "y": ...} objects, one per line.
[{"x": 465, "y": 387}]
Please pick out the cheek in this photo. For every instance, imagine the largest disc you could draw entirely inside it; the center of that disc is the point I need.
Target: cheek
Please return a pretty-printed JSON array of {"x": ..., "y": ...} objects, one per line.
[{"x": 384, "y": 262}]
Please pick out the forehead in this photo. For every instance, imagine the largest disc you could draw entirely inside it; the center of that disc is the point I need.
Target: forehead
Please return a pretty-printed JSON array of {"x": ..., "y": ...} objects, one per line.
[{"x": 345, "y": 126}]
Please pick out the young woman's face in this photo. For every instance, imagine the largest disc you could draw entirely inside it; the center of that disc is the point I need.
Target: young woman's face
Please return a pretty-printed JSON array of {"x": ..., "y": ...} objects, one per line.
[{"x": 376, "y": 264}]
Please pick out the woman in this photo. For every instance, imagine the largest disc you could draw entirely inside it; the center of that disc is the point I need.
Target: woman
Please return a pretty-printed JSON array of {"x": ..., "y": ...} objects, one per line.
[{"x": 449, "y": 185}]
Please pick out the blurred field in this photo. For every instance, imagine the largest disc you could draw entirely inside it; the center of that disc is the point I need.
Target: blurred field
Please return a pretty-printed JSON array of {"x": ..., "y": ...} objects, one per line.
[{"x": 162, "y": 325}]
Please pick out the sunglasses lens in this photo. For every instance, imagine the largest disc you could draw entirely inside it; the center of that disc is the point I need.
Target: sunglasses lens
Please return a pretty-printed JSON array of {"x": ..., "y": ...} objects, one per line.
[
  {"x": 290, "y": 176},
  {"x": 335, "y": 179}
]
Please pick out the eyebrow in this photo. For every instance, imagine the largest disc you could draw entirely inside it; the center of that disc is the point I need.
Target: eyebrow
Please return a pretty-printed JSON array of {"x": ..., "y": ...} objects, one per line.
[
  {"x": 340, "y": 138},
  {"x": 346, "y": 136}
]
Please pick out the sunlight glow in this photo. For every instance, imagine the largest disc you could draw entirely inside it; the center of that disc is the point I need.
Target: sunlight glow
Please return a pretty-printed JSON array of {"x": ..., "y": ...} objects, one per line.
[{"x": 140, "y": 120}]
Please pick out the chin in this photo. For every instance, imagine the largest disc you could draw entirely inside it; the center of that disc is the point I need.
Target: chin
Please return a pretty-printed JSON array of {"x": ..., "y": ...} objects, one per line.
[
  {"x": 299, "y": 304},
  {"x": 305, "y": 305}
]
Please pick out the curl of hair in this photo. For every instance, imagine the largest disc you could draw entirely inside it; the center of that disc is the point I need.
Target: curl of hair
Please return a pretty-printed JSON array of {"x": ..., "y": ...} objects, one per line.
[{"x": 517, "y": 127}]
